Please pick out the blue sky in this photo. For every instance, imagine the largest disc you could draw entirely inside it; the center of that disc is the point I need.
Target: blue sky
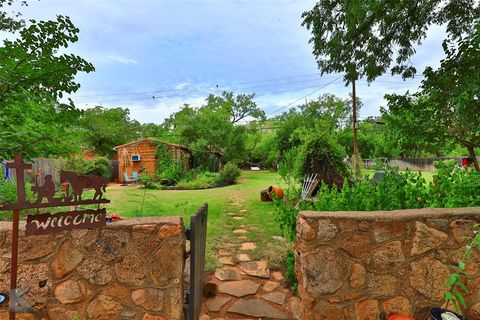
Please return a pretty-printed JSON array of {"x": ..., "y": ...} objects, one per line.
[{"x": 179, "y": 51}]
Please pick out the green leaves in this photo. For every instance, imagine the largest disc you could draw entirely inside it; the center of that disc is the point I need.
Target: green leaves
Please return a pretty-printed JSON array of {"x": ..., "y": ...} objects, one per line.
[
  {"x": 32, "y": 78},
  {"x": 357, "y": 37}
]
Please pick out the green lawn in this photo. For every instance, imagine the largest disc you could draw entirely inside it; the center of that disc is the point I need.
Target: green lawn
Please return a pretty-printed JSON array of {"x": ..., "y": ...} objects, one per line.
[{"x": 258, "y": 219}]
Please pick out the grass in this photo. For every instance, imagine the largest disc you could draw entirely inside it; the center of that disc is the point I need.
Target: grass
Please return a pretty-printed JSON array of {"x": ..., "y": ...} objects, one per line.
[{"x": 258, "y": 219}]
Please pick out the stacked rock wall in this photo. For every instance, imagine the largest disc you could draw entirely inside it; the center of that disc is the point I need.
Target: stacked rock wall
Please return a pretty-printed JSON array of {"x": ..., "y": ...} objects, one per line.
[
  {"x": 367, "y": 265},
  {"x": 130, "y": 269}
]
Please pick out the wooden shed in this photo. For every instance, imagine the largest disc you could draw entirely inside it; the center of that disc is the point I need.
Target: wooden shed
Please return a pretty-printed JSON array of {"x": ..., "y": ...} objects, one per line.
[{"x": 139, "y": 156}]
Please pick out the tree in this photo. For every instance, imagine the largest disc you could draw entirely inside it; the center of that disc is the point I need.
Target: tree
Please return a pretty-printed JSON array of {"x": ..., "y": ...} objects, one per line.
[
  {"x": 32, "y": 78},
  {"x": 215, "y": 126},
  {"x": 364, "y": 38},
  {"x": 448, "y": 107},
  {"x": 328, "y": 113},
  {"x": 239, "y": 107},
  {"x": 408, "y": 131},
  {"x": 10, "y": 21},
  {"x": 103, "y": 129}
]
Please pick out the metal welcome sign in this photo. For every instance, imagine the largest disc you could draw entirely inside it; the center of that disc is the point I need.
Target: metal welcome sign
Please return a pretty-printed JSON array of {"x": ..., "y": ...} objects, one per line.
[{"x": 46, "y": 223}]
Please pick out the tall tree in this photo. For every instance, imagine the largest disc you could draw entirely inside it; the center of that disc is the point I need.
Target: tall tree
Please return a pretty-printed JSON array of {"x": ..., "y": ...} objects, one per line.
[
  {"x": 448, "y": 107},
  {"x": 216, "y": 125},
  {"x": 366, "y": 38},
  {"x": 33, "y": 75},
  {"x": 106, "y": 128},
  {"x": 10, "y": 20},
  {"x": 238, "y": 107}
]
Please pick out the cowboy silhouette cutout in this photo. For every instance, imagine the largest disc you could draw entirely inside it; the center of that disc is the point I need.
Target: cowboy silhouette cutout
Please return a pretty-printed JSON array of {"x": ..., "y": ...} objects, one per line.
[{"x": 45, "y": 191}]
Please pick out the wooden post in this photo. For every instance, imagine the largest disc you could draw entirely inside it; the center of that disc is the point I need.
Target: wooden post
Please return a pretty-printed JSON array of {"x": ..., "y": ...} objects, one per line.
[{"x": 354, "y": 123}]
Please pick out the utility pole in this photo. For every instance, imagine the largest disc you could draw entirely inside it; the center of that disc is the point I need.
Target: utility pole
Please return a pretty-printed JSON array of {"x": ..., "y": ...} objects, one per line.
[{"x": 354, "y": 123}]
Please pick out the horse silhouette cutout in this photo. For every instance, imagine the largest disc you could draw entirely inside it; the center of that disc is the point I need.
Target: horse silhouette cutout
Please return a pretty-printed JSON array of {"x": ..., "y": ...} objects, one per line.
[{"x": 81, "y": 182}]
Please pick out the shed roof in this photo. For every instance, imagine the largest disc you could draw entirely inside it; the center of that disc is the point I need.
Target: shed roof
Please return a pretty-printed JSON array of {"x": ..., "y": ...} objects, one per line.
[{"x": 178, "y": 146}]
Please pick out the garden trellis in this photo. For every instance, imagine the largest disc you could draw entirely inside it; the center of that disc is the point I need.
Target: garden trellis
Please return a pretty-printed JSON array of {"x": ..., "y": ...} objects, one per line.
[{"x": 46, "y": 223}]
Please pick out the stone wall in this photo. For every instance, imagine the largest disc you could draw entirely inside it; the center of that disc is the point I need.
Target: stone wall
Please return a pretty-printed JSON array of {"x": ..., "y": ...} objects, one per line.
[
  {"x": 130, "y": 269},
  {"x": 367, "y": 265}
]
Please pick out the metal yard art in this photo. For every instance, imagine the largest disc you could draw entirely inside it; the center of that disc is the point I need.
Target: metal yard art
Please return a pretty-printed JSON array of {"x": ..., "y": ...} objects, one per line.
[{"x": 46, "y": 223}]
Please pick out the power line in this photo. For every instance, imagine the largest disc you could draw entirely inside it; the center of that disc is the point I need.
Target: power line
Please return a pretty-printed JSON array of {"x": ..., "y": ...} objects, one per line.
[
  {"x": 207, "y": 86},
  {"x": 305, "y": 96},
  {"x": 183, "y": 94},
  {"x": 217, "y": 86}
]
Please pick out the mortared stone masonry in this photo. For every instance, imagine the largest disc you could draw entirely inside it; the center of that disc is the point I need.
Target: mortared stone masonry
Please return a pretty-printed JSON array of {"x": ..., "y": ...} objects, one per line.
[
  {"x": 367, "y": 265},
  {"x": 130, "y": 269}
]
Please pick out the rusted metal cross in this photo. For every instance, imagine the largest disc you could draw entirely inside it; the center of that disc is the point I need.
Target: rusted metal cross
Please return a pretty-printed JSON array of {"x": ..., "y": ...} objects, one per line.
[{"x": 19, "y": 167}]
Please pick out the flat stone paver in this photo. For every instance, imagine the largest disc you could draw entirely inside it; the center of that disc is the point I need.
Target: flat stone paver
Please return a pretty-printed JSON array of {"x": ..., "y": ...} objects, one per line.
[
  {"x": 256, "y": 308},
  {"x": 228, "y": 274},
  {"x": 277, "y": 276},
  {"x": 238, "y": 288},
  {"x": 248, "y": 246},
  {"x": 216, "y": 303},
  {"x": 256, "y": 268},
  {"x": 243, "y": 257},
  {"x": 237, "y": 218},
  {"x": 226, "y": 260},
  {"x": 242, "y": 237},
  {"x": 224, "y": 253},
  {"x": 243, "y": 210},
  {"x": 275, "y": 297},
  {"x": 269, "y": 286},
  {"x": 240, "y": 231}
]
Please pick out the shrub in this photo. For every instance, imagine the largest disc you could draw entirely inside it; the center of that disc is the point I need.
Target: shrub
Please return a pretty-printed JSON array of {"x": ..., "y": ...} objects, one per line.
[
  {"x": 8, "y": 189},
  {"x": 203, "y": 157},
  {"x": 150, "y": 183},
  {"x": 230, "y": 173},
  {"x": 101, "y": 167},
  {"x": 75, "y": 164},
  {"x": 453, "y": 186},
  {"x": 168, "y": 167},
  {"x": 321, "y": 153},
  {"x": 199, "y": 181},
  {"x": 290, "y": 277}
]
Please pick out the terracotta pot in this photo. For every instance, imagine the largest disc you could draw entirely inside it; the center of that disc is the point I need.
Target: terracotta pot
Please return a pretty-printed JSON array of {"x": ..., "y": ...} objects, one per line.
[{"x": 275, "y": 190}]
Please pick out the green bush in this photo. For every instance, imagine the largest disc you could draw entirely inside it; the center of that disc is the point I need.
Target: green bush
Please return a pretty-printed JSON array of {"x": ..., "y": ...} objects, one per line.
[
  {"x": 203, "y": 158},
  {"x": 8, "y": 190},
  {"x": 199, "y": 181},
  {"x": 230, "y": 173},
  {"x": 290, "y": 277},
  {"x": 75, "y": 164},
  {"x": 320, "y": 152},
  {"x": 393, "y": 191},
  {"x": 150, "y": 183},
  {"x": 101, "y": 167},
  {"x": 452, "y": 186},
  {"x": 168, "y": 167}
]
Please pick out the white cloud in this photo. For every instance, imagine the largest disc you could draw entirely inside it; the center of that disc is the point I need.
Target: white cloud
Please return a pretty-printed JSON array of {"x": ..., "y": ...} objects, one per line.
[{"x": 115, "y": 58}]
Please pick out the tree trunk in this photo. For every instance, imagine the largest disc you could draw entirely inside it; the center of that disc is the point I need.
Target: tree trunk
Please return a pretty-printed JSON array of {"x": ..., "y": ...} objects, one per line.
[
  {"x": 356, "y": 164},
  {"x": 471, "y": 152}
]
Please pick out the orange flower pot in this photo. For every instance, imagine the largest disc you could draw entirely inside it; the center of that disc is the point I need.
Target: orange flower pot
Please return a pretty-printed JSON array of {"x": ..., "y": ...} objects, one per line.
[{"x": 275, "y": 190}]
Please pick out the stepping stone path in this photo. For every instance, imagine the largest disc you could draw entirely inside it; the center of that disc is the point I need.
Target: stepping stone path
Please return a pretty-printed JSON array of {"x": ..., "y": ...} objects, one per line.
[
  {"x": 246, "y": 289},
  {"x": 248, "y": 246}
]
